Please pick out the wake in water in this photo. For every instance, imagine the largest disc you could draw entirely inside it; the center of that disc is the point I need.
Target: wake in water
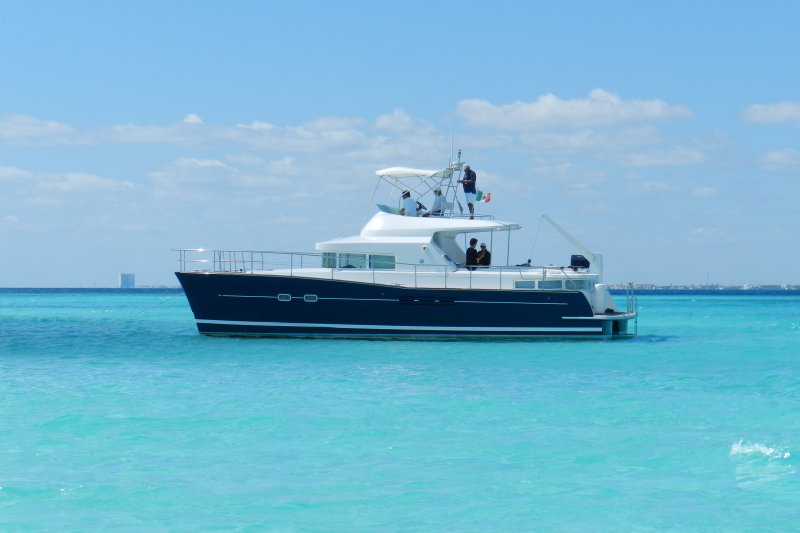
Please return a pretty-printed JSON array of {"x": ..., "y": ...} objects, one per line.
[
  {"x": 758, "y": 463},
  {"x": 740, "y": 448}
]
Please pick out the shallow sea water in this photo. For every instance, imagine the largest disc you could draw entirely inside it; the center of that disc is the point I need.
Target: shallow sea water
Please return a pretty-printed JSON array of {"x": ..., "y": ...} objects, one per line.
[{"x": 116, "y": 415}]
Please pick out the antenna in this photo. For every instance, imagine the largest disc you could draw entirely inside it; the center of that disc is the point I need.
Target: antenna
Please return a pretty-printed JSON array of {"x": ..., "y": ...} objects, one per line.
[{"x": 452, "y": 119}]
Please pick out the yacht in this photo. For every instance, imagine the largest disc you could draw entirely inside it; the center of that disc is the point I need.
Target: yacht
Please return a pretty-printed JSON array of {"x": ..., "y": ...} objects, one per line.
[{"x": 403, "y": 276}]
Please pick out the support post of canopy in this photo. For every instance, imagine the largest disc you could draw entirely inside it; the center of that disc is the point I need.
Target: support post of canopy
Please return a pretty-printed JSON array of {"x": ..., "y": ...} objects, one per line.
[{"x": 594, "y": 257}]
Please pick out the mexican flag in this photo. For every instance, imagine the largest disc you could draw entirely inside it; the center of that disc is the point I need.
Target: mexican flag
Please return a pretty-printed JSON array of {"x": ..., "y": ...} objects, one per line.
[{"x": 483, "y": 196}]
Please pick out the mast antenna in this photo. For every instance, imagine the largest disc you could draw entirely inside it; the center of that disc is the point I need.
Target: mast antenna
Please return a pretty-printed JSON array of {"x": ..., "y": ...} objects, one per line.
[{"x": 452, "y": 119}]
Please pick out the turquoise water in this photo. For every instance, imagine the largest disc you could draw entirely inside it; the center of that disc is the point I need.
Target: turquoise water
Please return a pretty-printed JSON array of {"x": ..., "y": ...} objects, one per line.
[{"x": 116, "y": 415}]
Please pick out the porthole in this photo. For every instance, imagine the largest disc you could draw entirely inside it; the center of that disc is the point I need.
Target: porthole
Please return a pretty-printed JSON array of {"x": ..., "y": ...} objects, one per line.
[
  {"x": 311, "y": 298},
  {"x": 284, "y": 297}
]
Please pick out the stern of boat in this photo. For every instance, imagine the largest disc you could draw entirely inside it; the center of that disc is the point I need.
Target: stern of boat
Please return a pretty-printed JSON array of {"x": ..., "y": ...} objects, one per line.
[{"x": 616, "y": 322}]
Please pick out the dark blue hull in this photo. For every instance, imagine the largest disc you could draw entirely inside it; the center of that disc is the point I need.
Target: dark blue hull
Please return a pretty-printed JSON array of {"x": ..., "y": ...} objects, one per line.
[{"x": 261, "y": 305}]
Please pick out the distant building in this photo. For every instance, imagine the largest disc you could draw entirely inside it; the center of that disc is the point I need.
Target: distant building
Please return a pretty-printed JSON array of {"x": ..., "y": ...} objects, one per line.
[{"x": 127, "y": 281}]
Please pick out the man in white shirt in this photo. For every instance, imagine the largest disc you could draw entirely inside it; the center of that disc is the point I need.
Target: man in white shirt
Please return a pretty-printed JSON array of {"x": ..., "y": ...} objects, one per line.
[{"x": 409, "y": 205}]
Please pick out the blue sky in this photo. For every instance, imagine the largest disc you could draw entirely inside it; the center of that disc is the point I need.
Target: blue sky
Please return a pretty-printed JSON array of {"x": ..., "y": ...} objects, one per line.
[{"x": 665, "y": 136}]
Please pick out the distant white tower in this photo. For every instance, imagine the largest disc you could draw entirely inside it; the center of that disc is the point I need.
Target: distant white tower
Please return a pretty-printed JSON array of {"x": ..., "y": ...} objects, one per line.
[{"x": 127, "y": 281}]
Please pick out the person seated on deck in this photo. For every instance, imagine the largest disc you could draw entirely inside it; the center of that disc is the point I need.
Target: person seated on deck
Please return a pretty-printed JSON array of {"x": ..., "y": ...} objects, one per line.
[
  {"x": 472, "y": 255},
  {"x": 409, "y": 205},
  {"x": 437, "y": 210},
  {"x": 484, "y": 256}
]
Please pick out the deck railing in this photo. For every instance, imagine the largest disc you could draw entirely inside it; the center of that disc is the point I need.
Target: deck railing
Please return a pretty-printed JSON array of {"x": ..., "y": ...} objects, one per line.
[
  {"x": 632, "y": 306},
  {"x": 427, "y": 275}
]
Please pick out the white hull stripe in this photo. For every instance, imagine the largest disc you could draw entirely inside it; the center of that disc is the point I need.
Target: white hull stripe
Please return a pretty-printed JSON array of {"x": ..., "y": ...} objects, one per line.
[{"x": 395, "y": 327}]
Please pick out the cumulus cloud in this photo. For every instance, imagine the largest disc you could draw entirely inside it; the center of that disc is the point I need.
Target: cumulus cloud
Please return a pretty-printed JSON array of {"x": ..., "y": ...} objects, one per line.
[
  {"x": 191, "y": 118},
  {"x": 599, "y": 108},
  {"x": 322, "y": 134},
  {"x": 678, "y": 156},
  {"x": 9, "y": 174},
  {"x": 589, "y": 139},
  {"x": 245, "y": 160},
  {"x": 79, "y": 182},
  {"x": 188, "y": 177},
  {"x": 651, "y": 186},
  {"x": 772, "y": 113},
  {"x": 397, "y": 121},
  {"x": 334, "y": 124},
  {"x": 200, "y": 180},
  {"x": 709, "y": 234},
  {"x": 24, "y": 130},
  {"x": 704, "y": 192},
  {"x": 192, "y": 162},
  {"x": 257, "y": 126},
  {"x": 569, "y": 172},
  {"x": 785, "y": 159},
  {"x": 284, "y": 165},
  {"x": 18, "y": 179},
  {"x": 9, "y": 220}
]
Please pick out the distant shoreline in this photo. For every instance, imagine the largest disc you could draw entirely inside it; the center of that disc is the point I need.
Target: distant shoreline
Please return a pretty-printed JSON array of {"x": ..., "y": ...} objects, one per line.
[
  {"x": 616, "y": 291},
  {"x": 721, "y": 292}
]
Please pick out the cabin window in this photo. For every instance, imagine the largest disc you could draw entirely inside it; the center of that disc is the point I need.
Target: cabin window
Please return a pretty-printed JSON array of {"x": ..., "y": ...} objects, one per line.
[
  {"x": 328, "y": 260},
  {"x": 311, "y": 298},
  {"x": 524, "y": 284},
  {"x": 381, "y": 262},
  {"x": 348, "y": 260},
  {"x": 352, "y": 260},
  {"x": 554, "y": 284},
  {"x": 284, "y": 297},
  {"x": 575, "y": 284}
]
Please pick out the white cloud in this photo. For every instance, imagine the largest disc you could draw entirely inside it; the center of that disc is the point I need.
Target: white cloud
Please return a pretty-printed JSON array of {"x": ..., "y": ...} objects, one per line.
[
  {"x": 706, "y": 235},
  {"x": 678, "y": 156},
  {"x": 569, "y": 172},
  {"x": 284, "y": 165},
  {"x": 194, "y": 162},
  {"x": 398, "y": 121},
  {"x": 785, "y": 159},
  {"x": 39, "y": 187},
  {"x": 133, "y": 133},
  {"x": 599, "y": 108},
  {"x": 248, "y": 160},
  {"x": 24, "y": 130},
  {"x": 651, "y": 186},
  {"x": 772, "y": 113},
  {"x": 334, "y": 123},
  {"x": 704, "y": 192},
  {"x": 191, "y": 118},
  {"x": 79, "y": 182},
  {"x": 8, "y": 220},
  {"x": 13, "y": 174},
  {"x": 202, "y": 180},
  {"x": 256, "y": 126},
  {"x": 588, "y": 139},
  {"x": 191, "y": 178}
]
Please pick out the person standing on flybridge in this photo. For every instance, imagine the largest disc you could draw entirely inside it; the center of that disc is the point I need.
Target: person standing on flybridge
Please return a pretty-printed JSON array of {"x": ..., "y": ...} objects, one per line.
[{"x": 469, "y": 180}]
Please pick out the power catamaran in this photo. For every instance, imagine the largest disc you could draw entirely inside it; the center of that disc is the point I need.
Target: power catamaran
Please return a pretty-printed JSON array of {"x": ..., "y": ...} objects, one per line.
[{"x": 402, "y": 277}]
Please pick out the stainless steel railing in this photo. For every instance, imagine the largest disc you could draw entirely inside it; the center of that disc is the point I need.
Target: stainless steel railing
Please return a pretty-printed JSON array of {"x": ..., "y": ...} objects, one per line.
[
  {"x": 428, "y": 275},
  {"x": 632, "y": 306}
]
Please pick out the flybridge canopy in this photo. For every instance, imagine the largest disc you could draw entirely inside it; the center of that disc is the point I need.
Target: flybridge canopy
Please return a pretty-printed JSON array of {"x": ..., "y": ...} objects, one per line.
[
  {"x": 404, "y": 172},
  {"x": 386, "y": 225}
]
